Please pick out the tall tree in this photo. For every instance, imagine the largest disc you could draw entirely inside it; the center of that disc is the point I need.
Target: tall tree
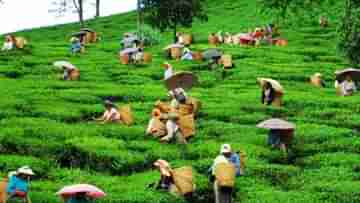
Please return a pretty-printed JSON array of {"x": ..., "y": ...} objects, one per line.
[
  {"x": 97, "y": 5},
  {"x": 284, "y": 7},
  {"x": 349, "y": 31},
  {"x": 172, "y": 14},
  {"x": 63, "y": 6}
]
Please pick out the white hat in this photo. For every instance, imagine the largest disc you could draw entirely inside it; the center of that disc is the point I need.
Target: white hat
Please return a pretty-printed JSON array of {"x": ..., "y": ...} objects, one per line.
[
  {"x": 317, "y": 74},
  {"x": 225, "y": 148},
  {"x": 25, "y": 170},
  {"x": 11, "y": 174}
]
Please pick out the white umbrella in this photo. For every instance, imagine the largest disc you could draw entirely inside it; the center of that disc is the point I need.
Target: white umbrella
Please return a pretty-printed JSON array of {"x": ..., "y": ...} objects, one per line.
[
  {"x": 275, "y": 84},
  {"x": 61, "y": 64},
  {"x": 173, "y": 46},
  {"x": 129, "y": 50},
  {"x": 276, "y": 124}
]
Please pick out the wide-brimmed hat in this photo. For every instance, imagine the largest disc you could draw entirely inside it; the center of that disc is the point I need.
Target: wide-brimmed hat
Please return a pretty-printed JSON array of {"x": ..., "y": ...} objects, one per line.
[
  {"x": 353, "y": 72},
  {"x": 317, "y": 75},
  {"x": 26, "y": 170},
  {"x": 276, "y": 124},
  {"x": 225, "y": 148},
  {"x": 275, "y": 84}
]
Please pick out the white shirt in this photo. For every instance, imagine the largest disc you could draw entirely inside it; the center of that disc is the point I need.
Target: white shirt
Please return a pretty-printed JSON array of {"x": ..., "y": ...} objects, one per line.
[
  {"x": 7, "y": 46},
  {"x": 112, "y": 114},
  {"x": 348, "y": 88},
  {"x": 168, "y": 73}
]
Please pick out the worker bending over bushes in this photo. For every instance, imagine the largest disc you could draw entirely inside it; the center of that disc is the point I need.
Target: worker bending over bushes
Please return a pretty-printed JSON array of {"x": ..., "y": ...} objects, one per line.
[
  {"x": 16, "y": 187},
  {"x": 113, "y": 114},
  {"x": 175, "y": 119},
  {"x": 225, "y": 168},
  {"x": 177, "y": 181}
]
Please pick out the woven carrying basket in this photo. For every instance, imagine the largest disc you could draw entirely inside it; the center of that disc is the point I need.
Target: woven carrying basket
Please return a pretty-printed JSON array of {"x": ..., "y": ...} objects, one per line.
[
  {"x": 196, "y": 105},
  {"x": 213, "y": 40},
  {"x": 124, "y": 59},
  {"x": 183, "y": 179},
  {"x": 175, "y": 52},
  {"x": 225, "y": 174},
  {"x": 147, "y": 57},
  {"x": 20, "y": 42},
  {"x": 160, "y": 128},
  {"x": 278, "y": 100},
  {"x": 281, "y": 42},
  {"x": 75, "y": 75},
  {"x": 88, "y": 37},
  {"x": 163, "y": 106},
  {"x": 187, "y": 39},
  {"x": 197, "y": 56},
  {"x": 187, "y": 125},
  {"x": 226, "y": 61},
  {"x": 126, "y": 115},
  {"x": 185, "y": 109},
  {"x": 3, "y": 193},
  {"x": 93, "y": 37}
]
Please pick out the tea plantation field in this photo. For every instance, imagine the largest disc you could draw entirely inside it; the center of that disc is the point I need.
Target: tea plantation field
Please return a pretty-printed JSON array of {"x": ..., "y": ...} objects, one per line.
[{"x": 46, "y": 123}]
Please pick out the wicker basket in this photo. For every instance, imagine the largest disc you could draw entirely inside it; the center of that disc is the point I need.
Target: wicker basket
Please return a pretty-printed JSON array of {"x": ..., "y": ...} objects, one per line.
[
  {"x": 281, "y": 42},
  {"x": 175, "y": 53},
  {"x": 187, "y": 39},
  {"x": 3, "y": 193},
  {"x": 126, "y": 115},
  {"x": 159, "y": 127},
  {"x": 183, "y": 178},
  {"x": 147, "y": 57},
  {"x": 20, "y": 42},
  {"x": 227, "y": 61},
  {"x": 197, "y": 56},
  {"x": 74, "y": 75},
  {"x": 93, "y": 37},
  {"x": 225, "y": 174},
  {"x": 213, "y": 40},
  {"x": 187, "y": 125},
  {"x": 278, "y": 100},
  {"x": 124, "y": 59}
]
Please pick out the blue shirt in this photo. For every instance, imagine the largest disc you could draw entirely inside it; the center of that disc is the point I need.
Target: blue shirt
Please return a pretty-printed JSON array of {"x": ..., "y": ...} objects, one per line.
[
  {"x": 17, "y": 184},
  {"x": 79, "y": 200}
]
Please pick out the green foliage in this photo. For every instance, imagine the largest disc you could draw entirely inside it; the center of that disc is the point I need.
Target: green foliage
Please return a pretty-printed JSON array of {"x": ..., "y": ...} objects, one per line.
[
  {"x": 172, "y": 13},
  {"x": 47, "y": 123},
  {"x": 348, "y": 31}
]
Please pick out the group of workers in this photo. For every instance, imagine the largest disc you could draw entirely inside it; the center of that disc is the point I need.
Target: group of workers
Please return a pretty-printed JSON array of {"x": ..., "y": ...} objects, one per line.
[
  {"x": 11, "y": 42},
  {"x": 268, "y": 34},
  {"x": 80, "y": 39},
  {"x": 176, "y": 119},
  {"x": 16, "y": 188}
]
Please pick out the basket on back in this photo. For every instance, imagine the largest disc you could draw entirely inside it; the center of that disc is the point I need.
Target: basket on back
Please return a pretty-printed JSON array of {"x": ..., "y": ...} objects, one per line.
[
  {"x": 226, "y": 61},
  {"x": 3, "y": 193},
  {"x": 187, "y": 39},
  {"x": 126, "y": 115},
  {"x": 147, "y": 57},
  {"x": 197, "y": 56},
  {"x": 187, "y": 125},
  {"x": 175, "y": 52},
  {"x": 225, "y": 174},
  {"x": 183, "y": 179},
  {"x": 74, "y": 75},
  {"x": 213, "y": 40},
  {"x": 20, "y": 42},
  {"x": 124, "y": 59}
]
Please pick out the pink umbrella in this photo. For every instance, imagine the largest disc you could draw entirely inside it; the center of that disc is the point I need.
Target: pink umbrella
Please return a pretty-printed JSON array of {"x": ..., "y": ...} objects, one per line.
[{"x": 90, "y": 190}]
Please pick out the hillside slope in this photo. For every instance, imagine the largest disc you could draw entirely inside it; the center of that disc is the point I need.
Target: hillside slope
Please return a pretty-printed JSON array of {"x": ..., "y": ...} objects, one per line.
[{"x": 46, "y": 123}]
